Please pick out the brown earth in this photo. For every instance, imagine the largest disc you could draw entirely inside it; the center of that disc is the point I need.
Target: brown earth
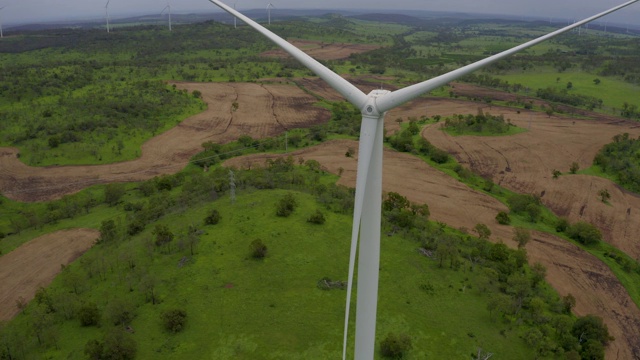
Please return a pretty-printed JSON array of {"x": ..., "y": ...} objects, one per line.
[
  {"x": 570, "y": 270},
  {"x": 323, "y": 51},
  {"x": 524, "y": 163},
  {"x": 36, "y": 263},
  {"x": 264, "y": 110}
]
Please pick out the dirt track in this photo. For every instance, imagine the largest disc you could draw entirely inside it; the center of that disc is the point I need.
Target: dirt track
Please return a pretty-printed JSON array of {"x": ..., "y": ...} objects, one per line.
[
  {"x": 569, "y": 269},
  {"x": 264, "y": 110},
  {"x": 36, "y": 263}
]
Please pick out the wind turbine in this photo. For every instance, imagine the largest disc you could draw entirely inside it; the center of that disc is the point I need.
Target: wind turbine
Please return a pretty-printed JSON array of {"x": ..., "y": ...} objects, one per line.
[
  {"x": 269, "y": 11},
  {"x": 235, "y": 25},
  {"x": 165, "y": 8},
  {"x": 106, "y": 11},
  {"x": 368, "y": 200},
  {"x": 1, "y": 33}
]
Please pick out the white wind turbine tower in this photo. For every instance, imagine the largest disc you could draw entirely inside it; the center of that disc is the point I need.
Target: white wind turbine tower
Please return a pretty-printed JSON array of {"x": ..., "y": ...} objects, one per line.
[
  {"x": 235, "y": 19},
  {"x": 1, "y": 33},
  {"x": 106, "y": 11},
  {"x": 269, "y": 7},
  {"x": 165, "y": 8},
  {"x": 368, "y": 200}
]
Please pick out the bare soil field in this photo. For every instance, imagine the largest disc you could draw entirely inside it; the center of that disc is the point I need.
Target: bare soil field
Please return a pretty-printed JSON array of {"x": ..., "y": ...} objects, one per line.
[
  {"x": 570, "y": 270},
  {"x": 36, "y": 263},
  {"x": 524, "y": 163},
  {"x": 263, "y": 111},
  {"x": 323, "y": 51}
]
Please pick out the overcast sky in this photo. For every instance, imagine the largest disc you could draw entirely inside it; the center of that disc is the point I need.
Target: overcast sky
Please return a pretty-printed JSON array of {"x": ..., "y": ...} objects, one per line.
[{"x": 20, "y": 11}]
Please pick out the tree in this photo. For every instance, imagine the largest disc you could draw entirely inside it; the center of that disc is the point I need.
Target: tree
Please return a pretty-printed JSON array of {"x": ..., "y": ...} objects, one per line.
[
  {"x": 569, "y": 85},
  {"x": 119, "y": 311},
  {"x": 596, "y": 81},
  {"x": 163, "y": 234},
  {"x": 213, "y": 218},
  {"x": 113, "y": 193},
  {"x": 89, "y": 314},
  {"x": 568, "y": 303},
  {"x": 482, "y": 230},
  {"x": 108, "y": 231},
  {"x": 503, "y": 218},
  {"x": 556, "y": 173},
  {"x": 174, "y": 320},
  {"x": 604, "y": 195},
  {"x": 119, "y": 345},
  {"x": 258, "y": 249},
  {"x": 286, "y": 205},
  {"x": 534, "y": 212},
  {"x": 584, "y": 233},
  {"x": 591, "y": 327},
  {"x": 574, "y": 167},
  {"x": 316, "y": 218},
  {"x": 395, "y": 346},
  {"x": 522, "y": 237}
]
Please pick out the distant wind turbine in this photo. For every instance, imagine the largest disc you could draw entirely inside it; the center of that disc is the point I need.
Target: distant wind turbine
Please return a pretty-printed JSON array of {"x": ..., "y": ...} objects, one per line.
[
  {"x": 269, "y": 11},
  {"x": 368, "y": 199},
  {"x": 165, "y": 8},
  {"x": 235, "y": 25},
  {"x": 106, "y": 11},
  {"x": 1, "y": 33}
]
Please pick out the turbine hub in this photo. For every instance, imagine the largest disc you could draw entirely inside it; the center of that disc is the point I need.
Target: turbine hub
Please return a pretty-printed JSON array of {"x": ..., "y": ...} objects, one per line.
[{"x": 370, "y": 108}]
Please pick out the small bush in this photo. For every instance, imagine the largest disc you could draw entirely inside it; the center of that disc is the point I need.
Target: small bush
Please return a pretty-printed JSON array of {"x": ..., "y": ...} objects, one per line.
[
  {"x": 317, "y": 218},
  {"x": 395, "y": 346},
  {"x": 503, "y": 218},
  {"x": 213, "y": 217},
  {"x": 174, "y": 320},
  {"x": 89, "y": 314},
  {"x": 286, "y": 205},
  {"x": 584, "y": 233},
  {"x": 258, "y": 249}
]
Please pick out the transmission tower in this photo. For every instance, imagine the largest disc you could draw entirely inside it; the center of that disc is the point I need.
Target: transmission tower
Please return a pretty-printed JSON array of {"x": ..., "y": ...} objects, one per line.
[{"x": 232, "y": 186}]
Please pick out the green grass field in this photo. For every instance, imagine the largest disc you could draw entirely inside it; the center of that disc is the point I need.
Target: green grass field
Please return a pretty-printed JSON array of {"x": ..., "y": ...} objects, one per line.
[
  {"x": 242, "y": 308},
  {"x": 612, "y": 91}
]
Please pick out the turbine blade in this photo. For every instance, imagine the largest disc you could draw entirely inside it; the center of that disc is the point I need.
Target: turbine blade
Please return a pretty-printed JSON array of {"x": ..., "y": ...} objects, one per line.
[
  {"x": 345, "y": 88},
  {"x": 398, "y": 97},
  {"x": 368, "y": 131}
]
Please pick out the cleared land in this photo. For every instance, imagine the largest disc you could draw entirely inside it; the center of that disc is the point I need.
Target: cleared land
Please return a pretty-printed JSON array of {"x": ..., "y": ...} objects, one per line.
[
  {"x": 36, "y": 263},
  {"x": 263, "y": 111}
]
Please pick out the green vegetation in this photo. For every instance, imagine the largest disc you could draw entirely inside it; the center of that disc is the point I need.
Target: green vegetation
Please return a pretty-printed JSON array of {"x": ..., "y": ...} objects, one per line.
[
  {"x": 165, "y": 251},
  {"x": 619, "y": 160},
  {"x": 480, "y": 124},
  {"x": 132, "y": 282}
]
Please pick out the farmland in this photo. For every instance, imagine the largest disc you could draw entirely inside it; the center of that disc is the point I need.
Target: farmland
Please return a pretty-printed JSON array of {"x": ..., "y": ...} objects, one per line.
[{"x": 230, "y": 108}]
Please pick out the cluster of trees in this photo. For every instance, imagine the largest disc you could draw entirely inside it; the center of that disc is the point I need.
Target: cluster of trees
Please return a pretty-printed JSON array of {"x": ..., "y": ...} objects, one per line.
[
  {"x": 620, "y": 159},
  {"x": 478, "y": 124},
  {"x": 404, "y": 141},
  {"x": 565, "y": 97}
]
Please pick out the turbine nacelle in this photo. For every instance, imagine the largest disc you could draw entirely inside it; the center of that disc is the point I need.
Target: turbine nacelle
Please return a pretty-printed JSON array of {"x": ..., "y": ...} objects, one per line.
[{"x": 370, "y": 108}]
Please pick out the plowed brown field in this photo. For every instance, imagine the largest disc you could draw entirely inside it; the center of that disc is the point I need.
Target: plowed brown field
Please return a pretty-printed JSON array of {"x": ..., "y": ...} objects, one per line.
[
  {"x": 36, "y": 263},
  {"x": 264, "y": 110}
]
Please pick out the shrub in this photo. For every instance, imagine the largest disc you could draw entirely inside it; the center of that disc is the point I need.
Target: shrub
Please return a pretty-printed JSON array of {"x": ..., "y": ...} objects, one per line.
[
  {"x": 395, "y": 346},
  {"x": 213, "y": 217},
  {"x": 258, "y": 249},
  {"x": 174, "y": 320},
  {"x": 317, "y": 218},
  {"x": 584, "y": 233},
  {"x": 562, "y": 225},
  {"x": 89, "y": 314},
  {"x": 286, "y": 205},
  {"x": 503, "y": 218}
]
